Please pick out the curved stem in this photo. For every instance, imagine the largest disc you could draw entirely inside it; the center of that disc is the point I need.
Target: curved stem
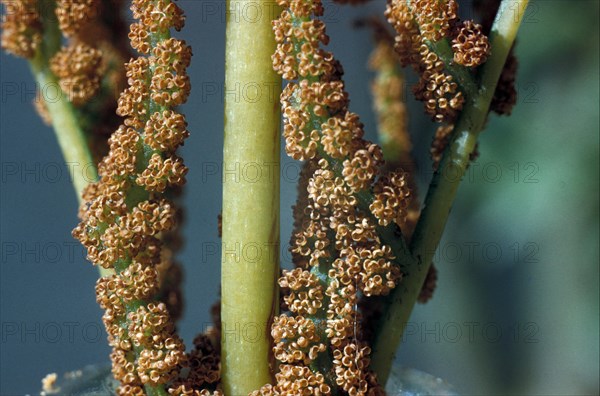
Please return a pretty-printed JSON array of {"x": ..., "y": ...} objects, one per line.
[
  {"x": 67, "y": 128},
  {"x": 250, "y": 251},
  {"x": 443, "y": 188},
  {"x": 69, "y": 134}
]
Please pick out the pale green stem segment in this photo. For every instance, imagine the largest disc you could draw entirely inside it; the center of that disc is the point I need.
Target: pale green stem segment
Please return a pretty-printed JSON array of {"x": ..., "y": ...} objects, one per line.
[
  {"x": 69, "y": 134},
  {"x": 250, "y": 251},
  {"x": 67, "y": 129},
  {"x": 443, "y": 188},
  {"x": 71, "y": 138}
]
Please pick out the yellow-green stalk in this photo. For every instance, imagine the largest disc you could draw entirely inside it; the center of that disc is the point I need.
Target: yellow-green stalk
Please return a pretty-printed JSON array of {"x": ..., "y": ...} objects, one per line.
[{"x": 250, "y": 251}]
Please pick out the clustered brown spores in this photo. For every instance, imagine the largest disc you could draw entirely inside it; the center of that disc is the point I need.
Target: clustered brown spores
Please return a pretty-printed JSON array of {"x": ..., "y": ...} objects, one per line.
[
  {"x": 389, "y": 104},
  {"x": 420, "y": 24},
  {"x": 336, "y": 249},
  {"x": 80, "y": 64},
  {"x": 77, "y": 67},
  {"x": 89, "y": 65},
  {"x": 21, "y": 27},
  {"x": 345, "y": 197},
  {"x": 392, "y": 126},
  {"x": 388, "y": 92},
  {"x": 124, "y": 214}
]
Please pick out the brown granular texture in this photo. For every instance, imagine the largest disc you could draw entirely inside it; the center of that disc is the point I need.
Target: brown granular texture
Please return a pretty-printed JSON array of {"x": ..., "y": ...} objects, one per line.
[
  {"x": 73, "y": 15},
  {"x": 439, "y": 144},
  {"x": 419, "y": 25},
  {"x": 295, "y": 380},
  {"x": 77, "y": 67},
  {"x": 435, "y": 18},
  {"x": 335, "y": 246},
  {"x": 471, "y": 47},
  {"x": 391, "y": 199},
  {"x": 124, "y": 215},
  {"x": 21, "y": 27}
]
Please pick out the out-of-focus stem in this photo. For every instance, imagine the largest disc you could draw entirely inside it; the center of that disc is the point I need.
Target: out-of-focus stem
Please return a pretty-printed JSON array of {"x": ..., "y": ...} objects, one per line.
[
  {"x": 250, "y": 253},
  {"x": 443, "y": 188},
  {"x": 67, "y": 128},
  {"x": 387, "y": 90}
]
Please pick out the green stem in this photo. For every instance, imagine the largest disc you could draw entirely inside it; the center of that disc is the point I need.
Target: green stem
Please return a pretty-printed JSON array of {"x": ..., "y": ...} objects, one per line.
[
  {"x": 69, "y": 133},
  {"x": 65, "y": 123},
  {"x": 443, "y": 189},
  {"x": 250, "y": 252}
]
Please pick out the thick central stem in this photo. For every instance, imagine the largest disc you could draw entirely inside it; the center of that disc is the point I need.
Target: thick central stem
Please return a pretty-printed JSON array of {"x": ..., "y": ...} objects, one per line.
[{"x": 250, "y": 251}]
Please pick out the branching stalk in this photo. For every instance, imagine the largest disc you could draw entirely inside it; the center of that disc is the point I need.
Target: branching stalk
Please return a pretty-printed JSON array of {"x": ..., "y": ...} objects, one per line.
[{"x": 443, "y": 188}]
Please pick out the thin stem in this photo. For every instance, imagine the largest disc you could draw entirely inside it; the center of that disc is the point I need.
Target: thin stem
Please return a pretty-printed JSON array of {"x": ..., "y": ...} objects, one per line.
[
  {"x": 250, "y": 254},
  {"x": 65, "y": 123},
  {"x": 69, "y": 133},
  {"x": 443, "y": 188}
]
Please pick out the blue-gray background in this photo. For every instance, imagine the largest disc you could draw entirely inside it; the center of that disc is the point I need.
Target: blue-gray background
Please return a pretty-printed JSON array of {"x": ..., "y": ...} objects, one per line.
[{"x": 516, "y": 310}]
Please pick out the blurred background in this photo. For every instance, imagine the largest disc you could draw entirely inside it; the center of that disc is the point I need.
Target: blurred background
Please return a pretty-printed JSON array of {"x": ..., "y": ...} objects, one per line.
[{"x": 516, "y": 308}]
